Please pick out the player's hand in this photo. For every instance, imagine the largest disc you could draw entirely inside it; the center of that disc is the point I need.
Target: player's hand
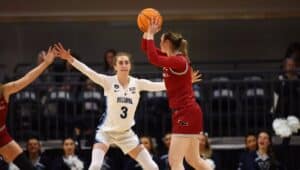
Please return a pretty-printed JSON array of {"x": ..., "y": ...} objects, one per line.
[
  {"x": 63, "y": 53},
  {"x": 154, "y": 26},
  {"x": 50, "y": 56},
  {"x": 196, "y": 76}
]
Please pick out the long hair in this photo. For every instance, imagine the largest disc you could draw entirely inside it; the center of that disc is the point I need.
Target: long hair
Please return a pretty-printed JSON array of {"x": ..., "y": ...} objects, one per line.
[
  {"x": 270, "y": 151},
  {"x": 208, "y": 151},
  {"x": 178, "y": 42}
]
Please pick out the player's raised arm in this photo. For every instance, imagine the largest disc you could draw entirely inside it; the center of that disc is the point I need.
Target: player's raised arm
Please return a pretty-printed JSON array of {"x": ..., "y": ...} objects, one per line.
[
  {"x": 98, "y": 78},
  {"x": 17, "y": 85}
]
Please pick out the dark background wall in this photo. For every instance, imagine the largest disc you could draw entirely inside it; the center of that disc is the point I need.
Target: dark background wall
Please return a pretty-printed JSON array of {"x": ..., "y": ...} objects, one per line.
[
  {"x": 216, "y": 30},
  {"x": 210, "y": 40}
]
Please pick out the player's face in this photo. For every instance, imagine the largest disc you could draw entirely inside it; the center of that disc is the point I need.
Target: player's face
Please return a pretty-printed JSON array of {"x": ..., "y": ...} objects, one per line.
[
  {"x": 251, "y": 143},
  {"x": 263, "y": 140},
  {"x": 69, "y": 147},
  {"x": 123, "y": 64}
]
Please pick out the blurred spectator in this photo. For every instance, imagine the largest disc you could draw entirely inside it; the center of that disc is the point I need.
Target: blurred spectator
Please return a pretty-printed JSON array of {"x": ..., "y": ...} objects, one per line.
[
  {"x": 164, "y": 163},
  {"x": 250, "y": 146},
  {"x": 293, "y": 51},
  {"x": 263, "y": 158},
  {"x": 34, "y": 153},
  {"x": 108, "y": 58},
  {"x": 287, "y": 96},
  {"x": 204, "y": 146},
  {"x": 250, "y": 142},
  {"x": 288, "y": 90},
  {"x": 148, "y": 144},
  {"x": 205, "y": 150},
  {"x": 69, "y": 160}
]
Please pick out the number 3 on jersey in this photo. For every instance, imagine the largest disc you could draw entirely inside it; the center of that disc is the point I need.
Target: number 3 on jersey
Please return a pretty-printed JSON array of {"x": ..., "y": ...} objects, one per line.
[{"x": 123, "y": 115}]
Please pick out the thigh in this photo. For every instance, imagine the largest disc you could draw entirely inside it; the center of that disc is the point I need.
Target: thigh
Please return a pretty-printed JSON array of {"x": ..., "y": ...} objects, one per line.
[
  {"x": 178, "y": 147},
  {"x": 193, "y": 150},
  {"x": 103, "y": 138},
  {"x": 127, "y": 141},
  {"x": 10, "y": 151}
]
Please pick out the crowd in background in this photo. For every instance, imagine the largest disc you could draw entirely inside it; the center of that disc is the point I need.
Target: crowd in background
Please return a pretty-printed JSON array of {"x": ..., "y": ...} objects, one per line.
[{"x": 258, "y": 154}]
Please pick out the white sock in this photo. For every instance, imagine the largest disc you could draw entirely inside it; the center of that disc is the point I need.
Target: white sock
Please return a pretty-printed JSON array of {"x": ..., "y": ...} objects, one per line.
[
  {"x": 97, "y": 159},
  {"x": 146, "y": 161}
]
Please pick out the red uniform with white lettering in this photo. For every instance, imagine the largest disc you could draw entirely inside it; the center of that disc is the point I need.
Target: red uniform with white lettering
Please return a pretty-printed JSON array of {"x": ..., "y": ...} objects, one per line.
[
  {"x": 4, "y": 136},
  {"x": 187, "y": 117}
]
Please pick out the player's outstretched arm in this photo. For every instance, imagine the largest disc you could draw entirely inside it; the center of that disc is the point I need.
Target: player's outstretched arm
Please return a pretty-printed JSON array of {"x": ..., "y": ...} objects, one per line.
[
  {"x": 147, "y": 85},
  {"x": 17, "y": 85},
  {"x": 64, "y": 54}
]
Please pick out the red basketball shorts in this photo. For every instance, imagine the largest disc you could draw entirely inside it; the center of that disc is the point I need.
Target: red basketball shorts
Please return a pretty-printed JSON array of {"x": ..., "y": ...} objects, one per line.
[{"x": 187, "y": 120}]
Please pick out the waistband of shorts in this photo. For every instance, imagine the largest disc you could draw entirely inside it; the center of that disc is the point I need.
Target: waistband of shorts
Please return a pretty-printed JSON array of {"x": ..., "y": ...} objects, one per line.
[{"x": 196, "y": 135}]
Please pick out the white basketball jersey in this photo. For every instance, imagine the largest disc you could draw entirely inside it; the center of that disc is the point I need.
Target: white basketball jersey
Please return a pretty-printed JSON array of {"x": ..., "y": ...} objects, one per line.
[{"x": 121, "y": 102}]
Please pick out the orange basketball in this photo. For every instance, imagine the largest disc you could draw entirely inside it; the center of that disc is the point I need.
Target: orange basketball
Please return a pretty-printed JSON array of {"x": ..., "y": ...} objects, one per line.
[{"x": 144, "y": 17}]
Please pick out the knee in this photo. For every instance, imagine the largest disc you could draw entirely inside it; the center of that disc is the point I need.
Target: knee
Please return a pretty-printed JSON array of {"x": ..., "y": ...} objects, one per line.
[{"x": 95, "y": 167}]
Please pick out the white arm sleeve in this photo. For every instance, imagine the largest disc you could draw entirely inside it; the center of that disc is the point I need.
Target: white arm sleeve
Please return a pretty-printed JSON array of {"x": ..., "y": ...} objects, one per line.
[
  {"x": 146, "y": 85},
  {"x": 100, "y": 79}
]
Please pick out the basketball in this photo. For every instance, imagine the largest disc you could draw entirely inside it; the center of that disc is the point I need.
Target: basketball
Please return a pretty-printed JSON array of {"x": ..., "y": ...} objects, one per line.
[{"x": 144, "y": 17}]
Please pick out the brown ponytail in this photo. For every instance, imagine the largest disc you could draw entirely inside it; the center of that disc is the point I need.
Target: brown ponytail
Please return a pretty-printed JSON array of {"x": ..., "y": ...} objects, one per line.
[{"x": 178, "y": 42}]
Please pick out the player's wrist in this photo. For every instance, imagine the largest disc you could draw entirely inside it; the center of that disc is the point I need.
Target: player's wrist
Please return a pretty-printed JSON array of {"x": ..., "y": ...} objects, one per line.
[
  {"x": 150, "y": 36},
  {"x": 70, "y": 59}
]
